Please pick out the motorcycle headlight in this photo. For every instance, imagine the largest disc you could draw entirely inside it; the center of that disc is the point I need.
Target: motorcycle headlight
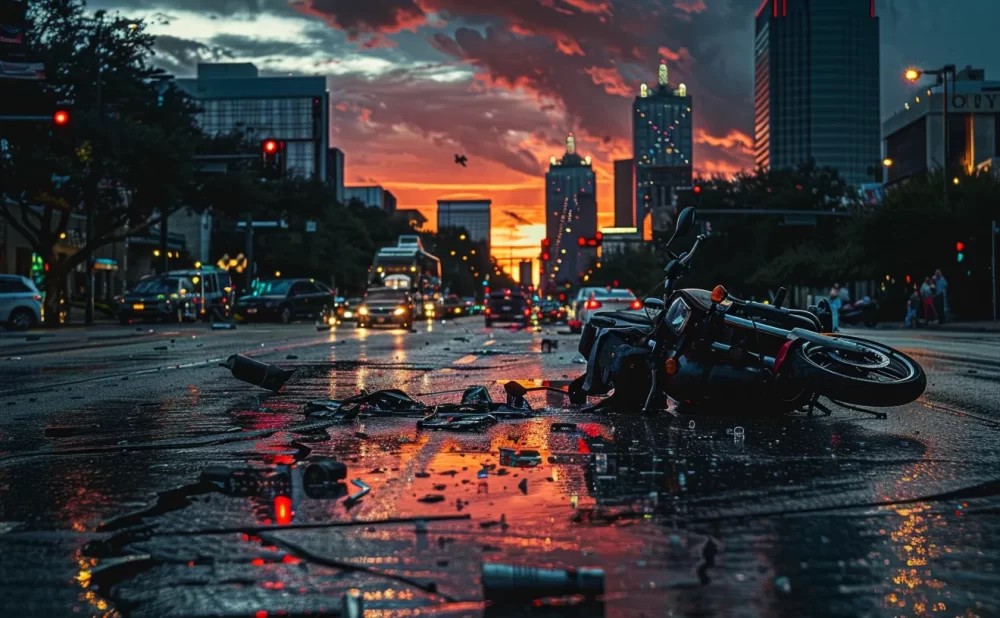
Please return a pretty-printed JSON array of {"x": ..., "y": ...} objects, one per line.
[{"x": 678, "y": 315}]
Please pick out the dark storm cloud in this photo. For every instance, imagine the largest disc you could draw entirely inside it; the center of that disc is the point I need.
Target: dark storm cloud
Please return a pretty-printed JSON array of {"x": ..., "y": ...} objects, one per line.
[
  {"x": 357, "y": 17},
  {"x": 227, "y": 8},
  {"x": 180, "y": 56},
  {"x": 253, "y": 47}
]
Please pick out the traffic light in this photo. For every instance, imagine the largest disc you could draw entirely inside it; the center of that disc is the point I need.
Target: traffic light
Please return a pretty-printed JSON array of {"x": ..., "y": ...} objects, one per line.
[
  {"x": 959, "y": 248},
  {"x": 273, "y": 154},
  {"x": 696, "y": 190},
  {"x": 60, "y": 118}
]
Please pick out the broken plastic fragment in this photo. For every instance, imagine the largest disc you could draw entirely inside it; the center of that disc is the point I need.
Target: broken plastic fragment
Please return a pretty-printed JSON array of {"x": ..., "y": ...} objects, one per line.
[
  {"x": 270, "y": 377},
  {"x": 504, "y": 583}
]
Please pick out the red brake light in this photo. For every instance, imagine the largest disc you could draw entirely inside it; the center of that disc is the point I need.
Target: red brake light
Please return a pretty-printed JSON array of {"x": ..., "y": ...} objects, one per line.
[
  {"x": 636, "y": 305},
  {"x": 581, "y": 241},
  {"x": 527, "y": 312},
  {"x": 594, "y": 304},
  {"x": 488, "y": 311},
  {"x": 283, "y": 510}
]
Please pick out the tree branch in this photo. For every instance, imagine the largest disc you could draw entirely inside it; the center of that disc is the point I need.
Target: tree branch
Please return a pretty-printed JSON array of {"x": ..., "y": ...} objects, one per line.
[{"x": 24, "y": 232}]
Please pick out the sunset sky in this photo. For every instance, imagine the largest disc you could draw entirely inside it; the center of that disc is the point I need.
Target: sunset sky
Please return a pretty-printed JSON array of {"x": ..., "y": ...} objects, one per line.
[{"x": 504, "y": 81}]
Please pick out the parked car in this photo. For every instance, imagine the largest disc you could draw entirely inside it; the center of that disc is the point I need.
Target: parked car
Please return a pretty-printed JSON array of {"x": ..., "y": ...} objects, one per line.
[
  {"x": 20, "y": 302},
  {"x": 286, "y": 300},
  {"x": 606, "y": 299},
  {"x": 550, "y": 312},
  {"x": 160, "y": 297},
  {"x": 213, "y": 291},
  {"x": 472, "y": 306},
  {"x": 507, "y": 306},
  {"x": 386, "y": 306}
]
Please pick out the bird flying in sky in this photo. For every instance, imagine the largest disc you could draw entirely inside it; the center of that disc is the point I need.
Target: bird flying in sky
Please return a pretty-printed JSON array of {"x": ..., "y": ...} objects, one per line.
[{"x": 461, "y": 160}]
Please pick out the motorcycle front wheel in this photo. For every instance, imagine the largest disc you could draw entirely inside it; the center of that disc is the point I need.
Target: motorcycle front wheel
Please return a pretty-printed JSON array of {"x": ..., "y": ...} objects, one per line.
[{"x": 879, "y": 376}]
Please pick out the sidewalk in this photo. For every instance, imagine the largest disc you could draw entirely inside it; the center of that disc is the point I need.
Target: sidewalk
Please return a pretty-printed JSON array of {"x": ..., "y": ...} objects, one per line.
[
  {"x": 955, "y": 327},
  {"x": 76, "y": 336}
]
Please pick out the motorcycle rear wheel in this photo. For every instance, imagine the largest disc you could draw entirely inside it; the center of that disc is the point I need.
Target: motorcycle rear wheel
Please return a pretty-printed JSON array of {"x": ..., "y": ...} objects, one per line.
[{"x": 880, "y": 377}]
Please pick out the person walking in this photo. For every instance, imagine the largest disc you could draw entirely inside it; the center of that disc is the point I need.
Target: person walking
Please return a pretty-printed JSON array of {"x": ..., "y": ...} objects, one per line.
[
  {"x": 913, "y": 308},
  {"x": 927, "y": 300},
  {"x": 940, "y": 296},
  {"x": 835, "y": 303}
]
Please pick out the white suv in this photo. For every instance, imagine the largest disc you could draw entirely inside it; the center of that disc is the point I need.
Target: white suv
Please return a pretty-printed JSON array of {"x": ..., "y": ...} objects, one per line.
[{"x": 20, "y": 302}]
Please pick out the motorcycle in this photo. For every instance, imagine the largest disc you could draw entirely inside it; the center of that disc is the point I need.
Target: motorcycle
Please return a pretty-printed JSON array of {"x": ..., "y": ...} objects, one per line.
[
  {"x": 864, "y": 311},
  {"x": 706, "y": 348}
]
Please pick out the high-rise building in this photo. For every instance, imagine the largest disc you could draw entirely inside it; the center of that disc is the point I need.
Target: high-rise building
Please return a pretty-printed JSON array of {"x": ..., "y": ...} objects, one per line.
[
  {"x": 570, "y": 215},
  {"x": 471, "y": 215},
  {"x": 816, "y": 86},
  {"x": 335, "y": 172},
  {"x": 371, "y": 196},
  {"x": 625, "y": 193},
  {"x": 914, "y": 136},
  {"x": 662, "y": 144},
  {"x": 389, "y": 201},
  {"x": 295, "y": 110}
]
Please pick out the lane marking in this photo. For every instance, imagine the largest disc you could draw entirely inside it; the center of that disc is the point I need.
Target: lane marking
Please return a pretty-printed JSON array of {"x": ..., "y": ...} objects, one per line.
[{"x": 467, "y": 360}]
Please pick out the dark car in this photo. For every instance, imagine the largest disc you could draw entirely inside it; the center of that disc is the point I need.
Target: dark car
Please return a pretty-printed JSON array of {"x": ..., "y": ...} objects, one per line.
[
  {"x": 347, "y": 311},
  {"x": 163, "y": 297},
  {"x": 286, "y": 300},
  {"x": 507, "y": 306},
  {"x": 213, "y": 288},
  {"x": 455, "y": 307},
  {"x": 550, "y": 312},
  {"x": 386, "y": 306}
]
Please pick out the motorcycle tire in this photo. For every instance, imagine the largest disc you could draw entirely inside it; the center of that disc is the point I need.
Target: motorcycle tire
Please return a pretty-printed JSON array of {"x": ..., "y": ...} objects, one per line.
[{"x": 883, "y": 377}]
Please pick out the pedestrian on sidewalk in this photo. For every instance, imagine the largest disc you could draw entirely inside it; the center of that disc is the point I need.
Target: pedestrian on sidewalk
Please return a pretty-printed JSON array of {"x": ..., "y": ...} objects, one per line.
[
  {"x": 913, "y": 308},
  {"x": 940, "y": 296},
  {"x": 927, "y": 300},
  {"x": 835, "y": 303}
]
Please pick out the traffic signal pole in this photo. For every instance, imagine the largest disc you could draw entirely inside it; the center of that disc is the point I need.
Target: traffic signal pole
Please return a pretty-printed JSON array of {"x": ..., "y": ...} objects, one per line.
[{"x": 995, "y": 229}]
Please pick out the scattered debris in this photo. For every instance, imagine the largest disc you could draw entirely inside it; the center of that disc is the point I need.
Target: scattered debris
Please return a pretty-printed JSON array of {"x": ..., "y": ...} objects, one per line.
[
  {"x": 549, "y": 345},
  {"x": 439, "y": 487},
  {"x": 160, "y": 348},
  {"x": 567, "y": 427},
  {"x": 291, "y": 357},
  {"x": 270, "y": 377},
  {"x": 422, "y": 475},
  {"x": 352, "y": 605},
  {"x": 390, "y": 402},
  {"x": 507, "y": 582},
  {"x": 223, "y": 326},
  {"x": 468, "y": 422},
  {"x": 523, "y": 486},
  {"x": 247, "y": 481},
  {"x": 322, "y": 327},
  {"x": 431, "y": 499},
  {"x": 783, "y": 585},
  {"x": 520, "y": 459},
  {"x": 322, "y": 474},
  {"x": 579, "y": 360},
  {"x": 358, "y": 495}
]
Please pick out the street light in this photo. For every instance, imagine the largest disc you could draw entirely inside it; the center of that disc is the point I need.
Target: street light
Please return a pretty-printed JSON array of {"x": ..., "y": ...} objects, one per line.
[
  {"x": 912, "y": 75},
  {"x": 887, "y": 162}
]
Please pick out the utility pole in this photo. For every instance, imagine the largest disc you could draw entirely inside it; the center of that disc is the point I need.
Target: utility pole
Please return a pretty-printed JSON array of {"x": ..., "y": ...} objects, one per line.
[{"x": 89, "y": 313}]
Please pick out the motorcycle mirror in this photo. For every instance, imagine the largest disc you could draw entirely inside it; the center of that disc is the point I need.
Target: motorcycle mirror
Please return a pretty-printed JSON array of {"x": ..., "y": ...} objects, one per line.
[
  {"x": 685, "y": 221},
  {"x": 653, "y": 303}
]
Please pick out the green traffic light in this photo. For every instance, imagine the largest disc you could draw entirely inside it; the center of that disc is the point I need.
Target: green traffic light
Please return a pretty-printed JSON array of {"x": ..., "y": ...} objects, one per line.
[{"x": 961, "y": 256}]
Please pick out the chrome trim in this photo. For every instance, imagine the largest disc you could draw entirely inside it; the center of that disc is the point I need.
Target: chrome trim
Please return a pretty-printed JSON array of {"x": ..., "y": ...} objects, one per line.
[{"x": 764, "y": 328}]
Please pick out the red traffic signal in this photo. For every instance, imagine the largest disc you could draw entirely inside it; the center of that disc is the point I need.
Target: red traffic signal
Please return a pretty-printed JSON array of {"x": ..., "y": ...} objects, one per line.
[
  {"x": 545, "y": 242},
  {"x": 581, "y": 241},
  {"x": 270, "y": 146},
  {"x": 960, "y": 246},
  {"x": 696, "y": 189},
  {"x": 61, "y": 118}
]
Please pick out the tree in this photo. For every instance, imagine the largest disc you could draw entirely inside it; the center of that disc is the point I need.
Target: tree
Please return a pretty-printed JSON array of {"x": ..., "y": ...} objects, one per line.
[
  {"x": 128, "y": 156},
  {"x": 916, "y": 230}
]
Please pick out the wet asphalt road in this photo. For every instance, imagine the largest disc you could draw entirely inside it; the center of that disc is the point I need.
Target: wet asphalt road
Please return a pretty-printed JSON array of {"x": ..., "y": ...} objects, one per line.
[{"x": 101, "y": 449}]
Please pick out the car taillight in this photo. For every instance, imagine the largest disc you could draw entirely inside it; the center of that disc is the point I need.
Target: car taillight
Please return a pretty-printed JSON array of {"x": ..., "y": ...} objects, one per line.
[
  {"x": 37, "y": 298},
  {"x": 488, "y": 311},
  {"x": 636, "y": 305},
  {"x": 594, "y": 304}
]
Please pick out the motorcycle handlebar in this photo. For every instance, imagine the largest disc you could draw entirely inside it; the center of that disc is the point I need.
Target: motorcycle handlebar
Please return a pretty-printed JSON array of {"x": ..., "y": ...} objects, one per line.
[{"x": 690, "y": 254}]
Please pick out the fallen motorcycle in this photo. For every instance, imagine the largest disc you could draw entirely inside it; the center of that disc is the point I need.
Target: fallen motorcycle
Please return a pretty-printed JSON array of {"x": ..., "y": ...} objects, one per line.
[{"x": 709, "y": 349}]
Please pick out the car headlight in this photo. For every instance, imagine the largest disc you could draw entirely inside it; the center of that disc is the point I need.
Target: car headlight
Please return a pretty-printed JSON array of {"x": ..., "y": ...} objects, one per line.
[
  {"x": 348, "y": 314},
  {"x": 429, "y": 307},
  {"x": 362, "y": 310},
  {"x": 399, "y": 311},
  {"x": 678, "y": 316}
]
